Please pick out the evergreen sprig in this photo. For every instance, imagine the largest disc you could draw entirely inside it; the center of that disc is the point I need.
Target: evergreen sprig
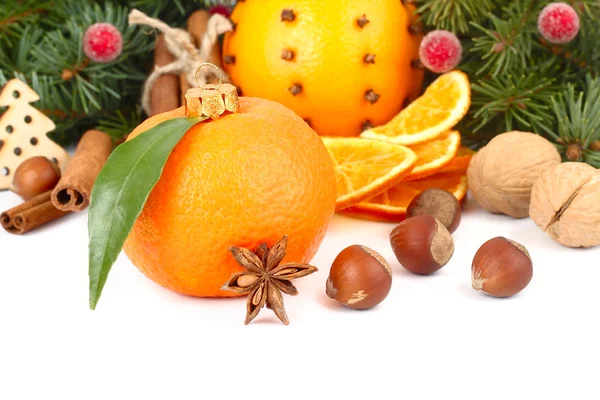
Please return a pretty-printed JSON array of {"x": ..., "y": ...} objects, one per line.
[
  {"x": 454, "y": 15},
  {"x": 41, "y": 43},
  {"x": 506, "y": 41},
  {"x": 519, "y": 80},
  {"x": 512, "y": 101},
  {"x": 577, "y": 129},
  {"x": 15, "y": 16}
]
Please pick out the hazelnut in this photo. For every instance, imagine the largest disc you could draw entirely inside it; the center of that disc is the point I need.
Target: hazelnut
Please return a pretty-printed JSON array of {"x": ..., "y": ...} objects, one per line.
[
  {"x": 565, "y": 202},
  {"x": 502, "y": 174},
  {"x": 359, "y": 278},
  {"x": 422, "y": 244},
  {"x": 438, "y": 203},
  {"x": 501, "y": 268},
  {"x": 35, "y": 176}
]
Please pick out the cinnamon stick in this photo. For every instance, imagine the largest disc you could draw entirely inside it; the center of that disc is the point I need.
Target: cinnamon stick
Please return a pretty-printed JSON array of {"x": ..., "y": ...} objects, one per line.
[
  {"x": 196, "y": 26},
  {"x": 30, "y": 215},
  {"x": 164, "y": 95},
  {"x": 184, "y": 86},
  {"x": 73, "y": 191}
]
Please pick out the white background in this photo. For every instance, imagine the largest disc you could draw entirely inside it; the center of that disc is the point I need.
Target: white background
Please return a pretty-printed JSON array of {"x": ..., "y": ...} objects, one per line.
[{"x": 432, "y": 338}]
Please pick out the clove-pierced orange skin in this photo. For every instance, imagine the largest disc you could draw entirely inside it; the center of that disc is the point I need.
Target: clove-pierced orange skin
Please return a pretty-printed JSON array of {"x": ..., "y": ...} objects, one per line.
[
  {"x": 342, "y": 65},
  {"x": 241, "y": 180}
]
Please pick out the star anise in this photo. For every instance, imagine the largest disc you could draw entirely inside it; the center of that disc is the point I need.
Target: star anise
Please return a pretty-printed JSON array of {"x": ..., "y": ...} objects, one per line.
[{"x": 265, "y": 278}]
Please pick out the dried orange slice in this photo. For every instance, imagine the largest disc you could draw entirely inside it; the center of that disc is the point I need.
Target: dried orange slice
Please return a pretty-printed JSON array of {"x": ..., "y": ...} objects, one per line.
[
  {"x": 444, "y": 103},
  {"x": 390, "y": 206},
  {"x": 365, "y": 168},
  {"x": 460, "y": 163},
  {"x": 434, "y": 155}
]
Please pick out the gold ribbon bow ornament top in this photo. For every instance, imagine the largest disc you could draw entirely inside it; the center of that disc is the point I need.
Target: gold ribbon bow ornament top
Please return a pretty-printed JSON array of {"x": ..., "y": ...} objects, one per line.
[{"x": 211, "y": 100}]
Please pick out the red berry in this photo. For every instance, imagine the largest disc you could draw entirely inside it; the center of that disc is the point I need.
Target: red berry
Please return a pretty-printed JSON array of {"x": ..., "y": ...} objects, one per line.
[
  {"x": 558, "y": 23},
  {"x": 102, "y": 42},
  {"x": 221, "y": 9},
  {"x": 440, "y": 51}
]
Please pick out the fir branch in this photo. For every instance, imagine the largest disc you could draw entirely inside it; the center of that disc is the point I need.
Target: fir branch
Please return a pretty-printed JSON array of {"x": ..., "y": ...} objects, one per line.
[
  {"x": 119, "y": 125},
  {"x": 41, "y": 44},
  {"x": 16, "y": 16},
  {"x": 514, "y": 73},
  {"x": 453, "y": 15},
  {"x": 577, "y": 122},
  {"x": 511, "y": 102},
  {"x": 587, "y": 8},
  {"x": 508, "y": 40},
  {"x": 16, "y": 57},
  {"x": 94, "y": 86},
  {"x": 76, "y": 93},
  {"x": 582, "y": 56}
]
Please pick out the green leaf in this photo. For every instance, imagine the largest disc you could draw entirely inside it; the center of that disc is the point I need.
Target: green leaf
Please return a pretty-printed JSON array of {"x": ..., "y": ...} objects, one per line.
[{"x": 120, "y": 193}]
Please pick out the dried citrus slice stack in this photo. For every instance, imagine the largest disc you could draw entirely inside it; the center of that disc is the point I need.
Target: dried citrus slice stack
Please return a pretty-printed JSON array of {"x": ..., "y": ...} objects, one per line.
[
  {"x": 364, "y": 168},
  {"x": 434, "y": 155},
  {"x": 390, "y": 206},
  {"x": 460, "y": 163},
  {"x": 377, "y": 176},
  {"x": 445, "y": 102}
]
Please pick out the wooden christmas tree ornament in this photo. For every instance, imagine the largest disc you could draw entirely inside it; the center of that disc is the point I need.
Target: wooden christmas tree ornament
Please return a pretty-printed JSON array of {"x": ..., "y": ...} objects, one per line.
[{"x": 23, "y": 132}]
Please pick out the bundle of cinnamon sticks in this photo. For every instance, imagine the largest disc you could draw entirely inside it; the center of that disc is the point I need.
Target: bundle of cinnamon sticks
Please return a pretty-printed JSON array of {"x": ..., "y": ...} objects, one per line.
[
  {"x": 169, "y": 90},
  {"x": 72, "y": 192}
]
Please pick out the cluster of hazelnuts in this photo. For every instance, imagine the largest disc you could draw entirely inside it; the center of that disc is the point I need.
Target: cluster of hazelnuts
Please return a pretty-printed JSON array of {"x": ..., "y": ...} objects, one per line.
[{"x": 360, "y": 278}]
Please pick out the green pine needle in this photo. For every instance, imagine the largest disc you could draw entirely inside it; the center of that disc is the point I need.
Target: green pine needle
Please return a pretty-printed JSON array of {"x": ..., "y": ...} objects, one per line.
[{"x": 512, "y": 101}]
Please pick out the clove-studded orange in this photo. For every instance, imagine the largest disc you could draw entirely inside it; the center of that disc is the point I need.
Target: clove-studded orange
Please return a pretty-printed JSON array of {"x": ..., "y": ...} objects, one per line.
[{"x": 342, "y": 65}]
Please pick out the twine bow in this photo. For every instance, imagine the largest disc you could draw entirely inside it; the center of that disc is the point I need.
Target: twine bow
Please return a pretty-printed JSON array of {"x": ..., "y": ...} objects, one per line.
[{"x": 188, "y": 58}]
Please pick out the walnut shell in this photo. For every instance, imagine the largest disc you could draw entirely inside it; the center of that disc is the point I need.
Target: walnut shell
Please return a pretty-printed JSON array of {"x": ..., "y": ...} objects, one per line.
[
  {"x": 565, "y": 202},
  {"x": 502, "y": 174}
]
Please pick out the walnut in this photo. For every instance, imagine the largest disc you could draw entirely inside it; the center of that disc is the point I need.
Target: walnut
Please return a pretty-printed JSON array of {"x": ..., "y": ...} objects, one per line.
[
  {"x": 502, "y": 174},
  {"x": 565, "y": 202}
]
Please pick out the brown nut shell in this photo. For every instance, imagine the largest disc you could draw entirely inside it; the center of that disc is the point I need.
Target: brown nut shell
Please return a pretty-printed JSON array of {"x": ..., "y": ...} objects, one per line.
[
  {"x": 359, "y": 278},
  {"x": 422, "y": 244},
  {"x": 565, "y": 203},
  {"x": 438, "y": 203},
  {"x": 501, "y": 268},
  {"x": 502, "y": 174},
  {"x": 35, "y": 176}
]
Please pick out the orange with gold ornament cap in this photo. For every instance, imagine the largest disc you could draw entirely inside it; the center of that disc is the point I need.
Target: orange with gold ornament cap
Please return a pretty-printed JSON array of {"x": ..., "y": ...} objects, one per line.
[{"x": 252, "y": 174}]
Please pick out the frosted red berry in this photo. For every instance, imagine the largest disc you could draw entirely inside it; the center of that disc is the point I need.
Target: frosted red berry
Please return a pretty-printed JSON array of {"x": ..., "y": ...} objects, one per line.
[
  {"x": 102, "y": 42},
  {"x": 221, "y": 9},
  {"x": 558, "y": 23},
  {"x": 440, "y": 51}
]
